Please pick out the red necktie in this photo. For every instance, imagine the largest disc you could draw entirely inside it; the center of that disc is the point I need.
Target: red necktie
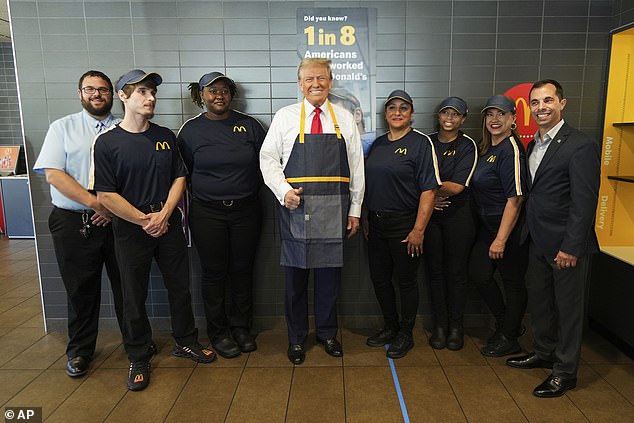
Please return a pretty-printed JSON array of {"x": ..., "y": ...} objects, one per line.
[{"x": 316, "y": 128}]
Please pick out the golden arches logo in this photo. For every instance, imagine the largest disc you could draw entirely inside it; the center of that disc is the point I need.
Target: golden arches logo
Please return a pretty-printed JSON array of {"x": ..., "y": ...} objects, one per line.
[
  {"x": 162, "y": 145},
  {"x": 402, "y": 151},
  {"x": 138, "y": 378},
  {"x": 240, "y": 128},
  {"x": 526, "y": 108},
  {"x": 491, "y": 158}
]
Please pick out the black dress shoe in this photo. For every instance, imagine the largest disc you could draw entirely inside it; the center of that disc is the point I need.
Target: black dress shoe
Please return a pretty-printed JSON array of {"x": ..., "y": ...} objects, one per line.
[
  {"x": 554, "y": 386},
  {"x": 503, "y": 346},
  {"x": 77, "y": 366},
  {"x": 244, "y": 339},
  {"x": 530, "y": 361},
  {"x": 296, "y": 353},
  {"x": 385, "y": 336},
  {"x": 438, "y": 339},
  {"x": 226, "y": 347},
  {"x": 400, "y": 346},
  {"x": 455, "y": 339},
  {"x": 332, "y": 347}
]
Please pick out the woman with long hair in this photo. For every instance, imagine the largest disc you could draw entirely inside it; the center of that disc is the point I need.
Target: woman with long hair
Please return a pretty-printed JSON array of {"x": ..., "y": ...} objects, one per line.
[{"x": 498, "y": 187}]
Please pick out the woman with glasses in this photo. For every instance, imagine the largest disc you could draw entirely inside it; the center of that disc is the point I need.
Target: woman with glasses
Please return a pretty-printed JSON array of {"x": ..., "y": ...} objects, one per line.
[
  {"x": 498, "y": 186},
  {"x": 451, "y": 230},
  {"x": 401, "y": 182},
  {"x": 220, "y": 148}
]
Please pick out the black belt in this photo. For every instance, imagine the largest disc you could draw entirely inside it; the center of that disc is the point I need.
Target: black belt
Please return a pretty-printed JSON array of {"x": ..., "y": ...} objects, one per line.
[
  {"x": 89, "y": 211},
  {"x": 152, "y": 208},
  {"x": 227, "y": 203},
  {"x": 389, "y": 214}
]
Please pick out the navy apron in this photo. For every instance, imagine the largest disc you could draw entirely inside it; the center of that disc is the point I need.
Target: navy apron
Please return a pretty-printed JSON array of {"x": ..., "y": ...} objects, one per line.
[{"x": 312, "y": 234}]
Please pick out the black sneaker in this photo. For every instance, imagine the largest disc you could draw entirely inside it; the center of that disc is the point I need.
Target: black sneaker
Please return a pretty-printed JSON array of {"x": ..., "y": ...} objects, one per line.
[
  {"x": 195, "y": 352},
  {"x": 503, "y": 346},
  {"x": 400, "y": 346},
  {"x": 379, "y": 339},
  {"x": 139, "y": 375}
]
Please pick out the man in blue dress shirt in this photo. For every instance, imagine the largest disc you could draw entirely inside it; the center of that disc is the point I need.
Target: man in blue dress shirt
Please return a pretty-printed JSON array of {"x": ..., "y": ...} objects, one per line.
[{"x": 79, "y": 223}]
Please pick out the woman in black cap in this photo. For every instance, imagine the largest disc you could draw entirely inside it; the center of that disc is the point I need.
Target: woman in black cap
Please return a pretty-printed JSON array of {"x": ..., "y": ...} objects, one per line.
[
  {"x": 451, "y": 230},
  {"x": 401, "y": 182},
  {"x": 498, "y": 187},
  {"x": 220, "y": 148}
]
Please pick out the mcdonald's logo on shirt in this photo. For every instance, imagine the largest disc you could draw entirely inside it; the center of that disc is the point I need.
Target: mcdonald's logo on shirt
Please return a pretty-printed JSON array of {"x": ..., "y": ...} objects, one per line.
[
  {"x": 400, "y": 150},
  {"x": 162, "y": 145},
  {"x": 240, "y": 128},
  {"x": 491, "y": 158},
  {"x": 449, "y": 153}
]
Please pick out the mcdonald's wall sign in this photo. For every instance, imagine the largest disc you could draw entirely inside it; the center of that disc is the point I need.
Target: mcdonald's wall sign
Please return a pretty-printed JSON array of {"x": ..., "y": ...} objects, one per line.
[{"x": 526, "y": 126}]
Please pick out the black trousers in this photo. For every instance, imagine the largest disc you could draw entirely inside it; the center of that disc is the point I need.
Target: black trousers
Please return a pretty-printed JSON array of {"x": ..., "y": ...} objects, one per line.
[
  {"x": 135, "y": 250},
  {"x": 556, "y": 299},
  {"x": 512, "y": 267},
  {"x": 447, "y": 245},
  {"x": 226, "y": 239},
  {"x": 388, "y": 255},
  {"x": 81, "y": 263},
  {"x": 327, "y": 282}
]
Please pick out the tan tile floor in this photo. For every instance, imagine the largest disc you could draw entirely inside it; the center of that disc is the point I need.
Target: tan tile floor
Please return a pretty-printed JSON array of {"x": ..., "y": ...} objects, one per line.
[{"x": 437, "y": 386}]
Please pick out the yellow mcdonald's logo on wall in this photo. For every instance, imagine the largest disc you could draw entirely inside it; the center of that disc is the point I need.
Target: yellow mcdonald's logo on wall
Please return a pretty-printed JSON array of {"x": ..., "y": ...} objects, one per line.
[
  {"x": 402, "y": 151},
  {"x": 240, "y": 128},
  {"x": 491, "y": 158},
  {"x": 525, "y": 109},
  {"x": 162, "y": 145}
]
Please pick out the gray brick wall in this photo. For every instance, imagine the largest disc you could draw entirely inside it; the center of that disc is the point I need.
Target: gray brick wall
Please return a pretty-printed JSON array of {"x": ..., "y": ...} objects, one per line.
[
  {"x": 10, "y": 129},
  {"x": 433, "y": 49}
]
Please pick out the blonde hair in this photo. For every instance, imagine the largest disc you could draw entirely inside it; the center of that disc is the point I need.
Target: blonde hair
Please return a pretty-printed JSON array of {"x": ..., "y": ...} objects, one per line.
[{"x": 314, "y": 61}]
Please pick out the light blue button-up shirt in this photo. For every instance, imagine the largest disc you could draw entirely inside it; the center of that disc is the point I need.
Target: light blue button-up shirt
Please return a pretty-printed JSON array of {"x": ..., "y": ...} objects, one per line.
[
  {"x": 540, "y": 147},
  {"x": 67, "y": 147}
]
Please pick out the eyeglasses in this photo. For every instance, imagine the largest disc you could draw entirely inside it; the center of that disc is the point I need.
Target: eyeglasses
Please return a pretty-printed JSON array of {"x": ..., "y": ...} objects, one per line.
[
  {"x": 450, "y": 114},
  {"x": 403, "y": 108},
  {"x": 216, "y": 91},
  {"x": 92, "y": 90}
]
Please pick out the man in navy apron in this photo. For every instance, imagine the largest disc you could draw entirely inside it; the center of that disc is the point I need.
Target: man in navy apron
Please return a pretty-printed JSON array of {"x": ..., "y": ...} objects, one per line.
[{"x": 312, "y": 161}]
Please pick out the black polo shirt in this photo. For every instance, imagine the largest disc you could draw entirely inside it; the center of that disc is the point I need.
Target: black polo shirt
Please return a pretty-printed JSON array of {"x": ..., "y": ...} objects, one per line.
[
  {"x": 141, "y": 167},
  {"x": 500, "y": 174},
  {"x": 222, "y": 156},
  {"x": 456, "y": 161},
  {"x": 397, "y": 172}
]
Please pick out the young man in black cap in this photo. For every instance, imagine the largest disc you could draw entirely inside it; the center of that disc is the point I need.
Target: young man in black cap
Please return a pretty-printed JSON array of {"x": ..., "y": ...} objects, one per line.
[{"x": 140, "y": 177}]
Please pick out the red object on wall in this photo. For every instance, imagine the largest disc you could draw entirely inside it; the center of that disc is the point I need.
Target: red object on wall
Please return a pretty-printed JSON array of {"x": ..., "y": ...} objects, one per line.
[
  {"x": 526, "y": 126},
  {"x": 1, "y": 215}
]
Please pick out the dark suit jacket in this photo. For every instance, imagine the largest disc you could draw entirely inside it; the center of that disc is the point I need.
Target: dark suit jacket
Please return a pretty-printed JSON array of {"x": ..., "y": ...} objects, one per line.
[{"x": 562, "y": 198}]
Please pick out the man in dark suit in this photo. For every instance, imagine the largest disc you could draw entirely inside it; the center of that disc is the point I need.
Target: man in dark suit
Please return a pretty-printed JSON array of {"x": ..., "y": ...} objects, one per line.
[{"x": 564, "y": 166}]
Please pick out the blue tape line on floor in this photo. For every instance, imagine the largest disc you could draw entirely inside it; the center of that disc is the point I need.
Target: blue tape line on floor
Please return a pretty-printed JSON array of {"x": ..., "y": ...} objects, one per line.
[{"x": 397, "y": 385}]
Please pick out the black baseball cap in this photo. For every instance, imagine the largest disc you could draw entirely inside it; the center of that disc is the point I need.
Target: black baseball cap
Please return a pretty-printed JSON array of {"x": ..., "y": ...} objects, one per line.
[
  {"x": 500, "y": 102},
  {"x": 137, "y": 75},
  {"x": 399, "y": 94}
]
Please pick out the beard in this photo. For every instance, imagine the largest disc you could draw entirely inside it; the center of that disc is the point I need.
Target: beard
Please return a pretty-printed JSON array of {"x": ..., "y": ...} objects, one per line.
[{"x": 102, "y": 111}]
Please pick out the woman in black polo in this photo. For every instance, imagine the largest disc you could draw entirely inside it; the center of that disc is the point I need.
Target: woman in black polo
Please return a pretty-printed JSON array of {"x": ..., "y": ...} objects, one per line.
[
  {"x": 498, "y": 187},
  {"x": 450, "y": 233},
  {"x": 401, "y": 182},
  {"x": 221, "y": 148}
]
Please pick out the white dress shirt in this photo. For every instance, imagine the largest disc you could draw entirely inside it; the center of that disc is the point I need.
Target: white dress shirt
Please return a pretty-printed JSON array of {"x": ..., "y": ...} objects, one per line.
[{"x": 280, "y": 140}]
